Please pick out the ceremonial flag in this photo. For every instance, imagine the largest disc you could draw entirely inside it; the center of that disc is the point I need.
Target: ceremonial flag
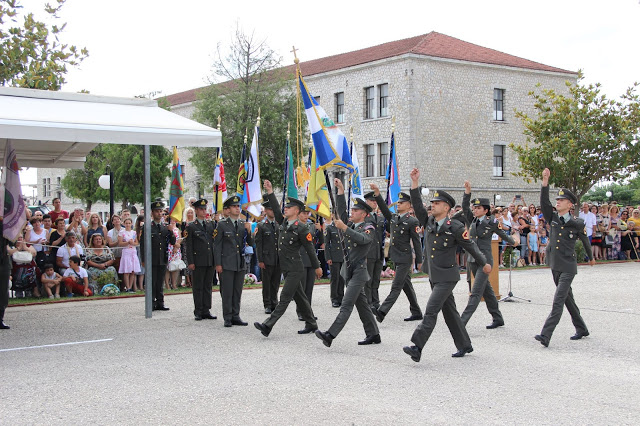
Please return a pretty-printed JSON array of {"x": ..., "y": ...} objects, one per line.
[
  {"x": 242, "y": 173},
  {"x": 176, "y": 197},
  {"x": 290, "y": 185},
  {"x": 356, "y": 183},
  {"x": 15, "y": 217},
  {"x": 393, "y": 181},
  {"x": 330, "y": 144},
  {"x": 219, "y": 183},
  {"x": 251, "y": 197},
  {"x": 318, "y": 196}
]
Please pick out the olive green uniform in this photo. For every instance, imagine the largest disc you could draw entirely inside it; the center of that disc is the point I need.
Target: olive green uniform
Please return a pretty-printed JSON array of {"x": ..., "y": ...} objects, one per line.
[{"x": 199, "y": 252}]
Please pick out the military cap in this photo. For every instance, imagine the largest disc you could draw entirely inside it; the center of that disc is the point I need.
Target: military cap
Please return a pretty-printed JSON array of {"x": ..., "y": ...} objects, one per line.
[
  {"x": 484, "y": 202},
  {"x": 157, "y": 205},
  {"x": 201, "y": 203},
  {"x": 566, "y": 194},
  {"x": 369, "y": 196},
  {"x": 294, "y": 202},
  {"x": 232, "y": 201},
  {"x": 359, "y": 203},
  {"x": 266, "y": 204},
  {"x": 403, "y": 196},
  {"x": 440, "y": 195}
]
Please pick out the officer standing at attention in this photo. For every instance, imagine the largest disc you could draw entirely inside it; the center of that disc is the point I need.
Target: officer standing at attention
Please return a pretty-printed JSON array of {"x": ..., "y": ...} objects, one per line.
[
  {"x": 376, "y": 252},
  {"x": 441, "y": 238},
  {"x": 229, "y": 240},
  {"x": 335, "y": 257},
  {"x": 359, "y": 235},
  {"x": 482, "y": 227},
  {"x": 293, "y": 234},
  {"x": 199, "y": 250},
  {"x": 404, "y": 231},
  {"x": 267, "y": 249},
  {"x": 160, "y": 235},
  {"x": 561, "y": 252}
]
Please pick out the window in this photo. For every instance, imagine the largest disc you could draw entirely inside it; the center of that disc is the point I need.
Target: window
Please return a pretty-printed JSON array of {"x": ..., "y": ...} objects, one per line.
[
  {"x": 46, "y": 187},
  {"x": 370, "y": 156},
  {"x": 498, "y": 104},
  {"x": 498, "y": 160},
  {"x": 340, "y": 107},
  {"x": 383, "y": 158},
  {"x": 369, "y": 102},
  {"x": 383, "y": 93}
]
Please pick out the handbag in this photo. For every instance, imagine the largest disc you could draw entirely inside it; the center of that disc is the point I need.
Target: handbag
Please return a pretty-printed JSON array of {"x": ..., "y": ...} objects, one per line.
[
  {"x": 176, "y": 265},
  {"x": 21, "y": 257}
]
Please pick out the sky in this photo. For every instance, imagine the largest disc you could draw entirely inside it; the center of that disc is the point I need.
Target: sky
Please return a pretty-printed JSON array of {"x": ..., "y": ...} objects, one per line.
[{"x": 142, "y": 46}]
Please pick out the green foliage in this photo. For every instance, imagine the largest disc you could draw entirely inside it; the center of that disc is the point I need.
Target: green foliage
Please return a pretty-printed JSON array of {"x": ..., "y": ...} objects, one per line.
[
  {"x": 107, "y": 277},
  {"x": 506, "y": 255},
  {"x": 253, "y": 82},
  {"x": 626, "y": 194},
  {"x": 582, "y": 137},
  {"x": 580, "y": 251},
  {"x": 83, "y": 183},
  {"x": 31, "y": 55}
]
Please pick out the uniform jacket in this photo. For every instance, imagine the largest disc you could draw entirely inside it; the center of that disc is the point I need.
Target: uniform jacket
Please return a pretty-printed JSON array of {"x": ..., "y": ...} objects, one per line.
[
  {"x": 440, "y": 247},
  {"x": 290, "y": 240},
  {"x": 228, "y": 245},
  {"x": 376, "y": 250},
  {"x": 160, "y": 236},
  {"x": 358, "y": 238},
  {"x": 403, "y": 231},
  {"x": 561, "y": 250},
  {"x": 317, "y": 240},
  {"x": 199, "y": 243},
  {"x": 267, "y": 236},
  {"x": 332, "y": 246}
]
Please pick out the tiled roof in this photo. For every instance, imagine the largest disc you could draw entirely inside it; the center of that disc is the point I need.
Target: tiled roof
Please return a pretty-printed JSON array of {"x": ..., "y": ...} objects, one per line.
[{"x": 432, "y": 44}]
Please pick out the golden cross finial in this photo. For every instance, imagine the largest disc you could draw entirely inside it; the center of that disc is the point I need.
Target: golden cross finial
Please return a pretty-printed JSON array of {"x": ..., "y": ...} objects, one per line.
[
  {"x": 246, "y": 130},
  {"x": 295, "y": 56},
  {"x": 219, "y": 120},
  {"x": 258, "y": 121},
  {"x": 351, "y": 135}
]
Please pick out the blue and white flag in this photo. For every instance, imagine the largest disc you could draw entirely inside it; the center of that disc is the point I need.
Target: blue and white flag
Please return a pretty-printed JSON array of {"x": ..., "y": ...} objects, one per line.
[
  {"x": 251, "y": 197},
  {"x": 330, "y": 144},
  {"x": 393, "y": 180},
  {"x": 356, "y": 183}
]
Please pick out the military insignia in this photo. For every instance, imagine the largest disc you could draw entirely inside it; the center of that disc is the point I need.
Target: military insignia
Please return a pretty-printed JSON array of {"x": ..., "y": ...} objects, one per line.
[
  {"x": 309, "y": 238},
  {"x": 448, "y": 222},
  {"x": 185, "y": 234},
  {"x": 465, "y": 235},
  {"x": 417, "y": 229},
  {"x": 476, "y": 201},
  {"x": 585, "y": 231},
  {"x": 500, "y": 225},
  {"x": 295, "y": 223},
  {"x": 561, "y": 192},
  {"x": 368, "y": 231},
  {"x": 436, "y": 194},
  {"x": 215, "y": 232}
]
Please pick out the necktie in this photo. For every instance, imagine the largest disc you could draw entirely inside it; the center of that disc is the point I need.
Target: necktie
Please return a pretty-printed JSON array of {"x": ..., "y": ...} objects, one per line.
[
  {"x": 436, "y": 227},
  {"x": 236, "y": 225},
  {"x": 562, "y": 219}
]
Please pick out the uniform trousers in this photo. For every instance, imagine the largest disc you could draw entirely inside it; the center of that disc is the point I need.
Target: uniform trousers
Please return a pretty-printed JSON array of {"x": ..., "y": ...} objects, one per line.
[
  {"x": 307, "y": 281},
  {"x": 337, "y": 282},
  {"x": 158, "y": 272},
  {"x": 231, "y": 283},
  {"x": 355, "y": 295},
  {"x": 481, "y": 288},
  {"x": 292, "y": 290},
  {"x": 202, "y": 278},
  {"x": 374, "y": 268},
  {"x": 442, "y": 299},
  {"x": 401, "y": 282},
  {"x": 563, "y": 297},
  {"x": 270, "y": 285}
]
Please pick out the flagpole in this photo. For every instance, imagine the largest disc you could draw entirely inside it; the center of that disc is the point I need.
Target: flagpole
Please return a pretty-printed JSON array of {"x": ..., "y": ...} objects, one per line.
[
  {"x": 350, "y": 174},
  {"x": 215, "y": 203},
  {"x": 285, "y": 184},
  {"x": 391, "y": 150}
]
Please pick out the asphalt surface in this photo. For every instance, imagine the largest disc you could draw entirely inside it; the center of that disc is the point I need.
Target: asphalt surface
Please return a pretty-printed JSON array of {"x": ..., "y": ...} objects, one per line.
[{"x": 107, "y": 364}]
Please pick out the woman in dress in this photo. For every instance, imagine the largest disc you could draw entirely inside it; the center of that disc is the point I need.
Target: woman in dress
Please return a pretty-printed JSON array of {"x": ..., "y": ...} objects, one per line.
[
  {"x": 112, "y": 240},
  {"x": 95, "y": 227},
  {"x": 36, "y": 237},
  {"x": 614, "y": 231},
  {"x": 172, "y": 279},
  {"x": 24, "y": 275},
  {"x": 129, "y": 263},
  {"x": 533, "y": 217},
  {"x": 100, "y": 262},
  {"x": 604, "y": 221},
  {"x": 596, "y": 238}
]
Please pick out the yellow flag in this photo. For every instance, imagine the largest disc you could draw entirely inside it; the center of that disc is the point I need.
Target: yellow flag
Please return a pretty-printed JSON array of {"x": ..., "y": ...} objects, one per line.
[{"x": 318, "y": 196}]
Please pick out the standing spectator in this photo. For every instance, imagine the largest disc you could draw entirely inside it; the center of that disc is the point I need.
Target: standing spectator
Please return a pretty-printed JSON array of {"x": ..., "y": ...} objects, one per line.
[
  {"x": 544, "y": 241},
  {"x": 129, "y": 263},
  {"x": 525, "y": 227},
  {"x": 532, "y": 244},
  {"x": 37, "y": 237},
  {"x": 76, "y": 279},
  {"x": 614, "y": 231},
  {"x": 56, "y": 239},
  {"x": 112, "y": 240},
  {"x": 172, "y": 278},
  {"x": 533, "y": 217},
  {"x": 57, "y": 211},
  {"x": 95, "y": 227},
  {"x": 596, "y": 236},
  {"x": 76, "y": 224},
  {"x": 590, "y": 221},
  {"x": 604, "y": 222},
  {"x": 25, "y": 275}
]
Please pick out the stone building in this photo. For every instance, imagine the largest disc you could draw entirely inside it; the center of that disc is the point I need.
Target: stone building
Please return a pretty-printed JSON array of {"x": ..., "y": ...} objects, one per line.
[{"x": 453, "y": 104}]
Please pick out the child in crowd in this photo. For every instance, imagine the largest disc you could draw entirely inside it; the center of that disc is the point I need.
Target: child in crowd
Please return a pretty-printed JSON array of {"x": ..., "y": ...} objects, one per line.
[
  {"x": 51, "y": 280},
  {"x": 532, "y": 243},
  {"x": 129, "y": 263},
  {"x": 544, "y": 240},
  {"x": 76, "y": 279}
]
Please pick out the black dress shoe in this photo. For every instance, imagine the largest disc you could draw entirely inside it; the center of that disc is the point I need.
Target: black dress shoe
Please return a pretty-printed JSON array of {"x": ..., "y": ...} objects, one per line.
[
  {"x": 4, "y": 326},
  {"x": 267, "y": 310},
  {"x": 495, "y": 324},
  {"x": 335, "y": 304},
  {"x": 238, "y": 321},
  {"x": 325, "y": 337},
  {"x": 413, "y": 318},
  {"x": 263, "y": 328},
  {"x": 209, "y": 316},
  {"x": 379, "y": 315},
  {"x": 307, "y": 330},
  {"x": 414, "y": 352},
  {"x": 161, "y": 308},
  {"x": 300, "y": 318},
  {"x": 197, "y": 318},
  {"x": 579, "y": 336},
  {"x": 371, "y": 340},
  {"x": 462, "y": 352},
  {"x": 227, "y": 323},
  {"x": 543, "y": 340}
]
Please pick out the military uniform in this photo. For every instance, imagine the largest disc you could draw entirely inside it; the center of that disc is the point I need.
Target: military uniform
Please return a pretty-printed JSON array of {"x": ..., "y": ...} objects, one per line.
[
  {"x": 160, "y": 237},
  {"x": 404, "y": 231},
  {"x": 481, "y": 231},
  {"x": 308, "y": 280},
  {"x": 292, "y": 236},
  {"x": 333, "y": 252},
  {"x": 229, "y": 242},
  {"x": 561, "y": 255},
  {"x": 267, "y": 252},
  {"x": 375, "y": 257},
  {"x": 441, "y": 240},
  {"x": 198, "y": 237}
]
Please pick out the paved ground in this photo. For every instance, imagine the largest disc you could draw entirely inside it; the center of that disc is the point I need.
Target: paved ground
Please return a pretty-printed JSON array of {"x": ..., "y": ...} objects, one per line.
[{"x": 173, "y": 370}]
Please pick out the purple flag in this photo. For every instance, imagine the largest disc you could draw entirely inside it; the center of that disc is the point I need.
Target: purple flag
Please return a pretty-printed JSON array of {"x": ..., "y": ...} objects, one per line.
[{"x": 15, "y": 217}]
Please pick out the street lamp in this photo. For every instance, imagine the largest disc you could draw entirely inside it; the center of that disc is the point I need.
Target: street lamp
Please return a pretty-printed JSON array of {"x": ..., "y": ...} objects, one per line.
[
  {"x": 425, "y": 192},
  {"x": 106, "y": 182},
  {"x": 496, "y": 198}
]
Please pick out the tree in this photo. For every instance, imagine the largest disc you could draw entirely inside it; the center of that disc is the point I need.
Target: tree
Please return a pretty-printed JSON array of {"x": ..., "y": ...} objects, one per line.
[
  {"x": 83, "y": 183},
  {"x": 583, "y": 137},
  {"x": 252, "y": 81},
  {"x": 31, "y": 55},
  {"x": 627, "y": 193}
]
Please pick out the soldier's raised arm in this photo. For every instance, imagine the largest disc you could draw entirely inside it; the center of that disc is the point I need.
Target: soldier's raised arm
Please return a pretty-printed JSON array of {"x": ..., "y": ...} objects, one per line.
[
  {"x": 466, "y": 202},
  {"x": 273, "y": 201},
  {"x": 545, "y": 204},
  {"x": 416, "y": 198},
  {"x": 384, "y": 209},
  {"x": 341, "y": 203}
]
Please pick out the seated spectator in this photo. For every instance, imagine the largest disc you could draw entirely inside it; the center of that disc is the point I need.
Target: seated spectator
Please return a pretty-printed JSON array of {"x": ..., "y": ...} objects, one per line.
[
  {"x": 24, "y": 274},
  {"x": 95, "y": 227},
  {"x": 76, "y": 279},
  {"x": 56, "y": 239},
  {"x": 70, "y": 248},
  {"x": 36, "y": 237},
  {"x": 57, "y": 211},
  {"x": 51, "y": 281},
  {"x": 100, "y": 261}
]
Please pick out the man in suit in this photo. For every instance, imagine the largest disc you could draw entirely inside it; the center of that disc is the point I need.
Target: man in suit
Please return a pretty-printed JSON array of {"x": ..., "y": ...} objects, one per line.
[
  {"x": 160, "y": 236},
  {"x": 442, "y": 236},
  {"x": 199, "y": 253},
  {"x": 229, "y": 240},
  {"x": 561, "y": 255},
  {"x": 359, "y": 235},
  {"x": 335, "y": 257},
  {"x": 482, "y": 227},
  {"x": 292, "y": 235},
  {"x": 404, "y": 231},
  {"x": 375, "y": 257},
  {"x": 267, "y": 250}
]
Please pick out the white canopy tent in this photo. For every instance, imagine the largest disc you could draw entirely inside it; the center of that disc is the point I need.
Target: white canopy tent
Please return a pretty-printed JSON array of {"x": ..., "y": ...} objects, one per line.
[{"x": 56, "y": 129}]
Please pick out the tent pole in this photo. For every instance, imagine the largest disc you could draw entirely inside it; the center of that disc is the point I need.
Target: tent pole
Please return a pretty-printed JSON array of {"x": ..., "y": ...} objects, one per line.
[{"x": 148, "y": 276}]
